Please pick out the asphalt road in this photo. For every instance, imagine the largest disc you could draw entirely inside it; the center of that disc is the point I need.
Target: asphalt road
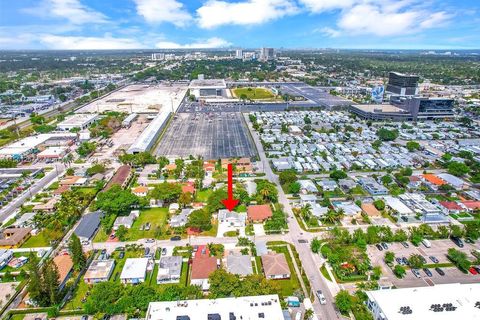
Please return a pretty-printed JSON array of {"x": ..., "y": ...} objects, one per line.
[
  {"x": 10, "y": 208},
  {"x": 311, "y": 267}
]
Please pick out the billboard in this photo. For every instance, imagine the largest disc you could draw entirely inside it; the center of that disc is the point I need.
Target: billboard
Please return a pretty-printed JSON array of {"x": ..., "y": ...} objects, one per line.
[{"x": 377, "y": 94}]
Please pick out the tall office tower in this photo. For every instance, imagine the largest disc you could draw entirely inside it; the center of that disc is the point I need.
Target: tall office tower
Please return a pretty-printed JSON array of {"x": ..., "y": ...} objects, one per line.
[
  {"x": 239, "y": 54},
  {"x": 158, "y": 56},
  {"x": 267, "y": 54},
  {"x": 402, "y": 84}
]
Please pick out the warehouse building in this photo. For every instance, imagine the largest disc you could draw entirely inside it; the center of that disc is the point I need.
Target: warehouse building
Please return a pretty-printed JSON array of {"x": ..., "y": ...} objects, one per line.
[
  {"x": 150, "y": 135},
  {"x": 78, "y": 121}
]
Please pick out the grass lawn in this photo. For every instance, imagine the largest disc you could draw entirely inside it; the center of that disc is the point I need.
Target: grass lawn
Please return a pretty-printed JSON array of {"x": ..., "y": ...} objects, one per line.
[
  {"x": 287, "y": 286},
  {"x": 254, "y": 93},
  {"x": 212, "y": 232},
  {"x": 78, "y": 295},
  {"x": 241, "y": 208},
  {"x": 202, "y": 195},
  {"x": 157, "y": 217},
  {"x": 325, "y": 273},
  {"x": 38, "y": 240},
  {"x": 17, "y": 316},
  {"x": 258, "y": 263}
]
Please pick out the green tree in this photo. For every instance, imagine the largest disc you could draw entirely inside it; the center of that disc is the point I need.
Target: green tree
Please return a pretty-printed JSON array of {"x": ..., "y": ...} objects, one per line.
[
  {"x": 412, "y": 146},
  {"x": 315, "y": 245},
  {"x": 103, "y": 297},
  {"x": 416, "y": 261},
  {"x": 389, "y": 257},
  {"x": 86, "y": 148},
  {"x": 399, "y": 271},
  {"x": 387, "y": 135},
  {"x": 200, "y": 219},
  {"x": 458, "y": 169},
  {"x": 294, "y": 188},
  {"x": 214, "y": 201},
  {"x": 185, "y": 199},
  {"x": 168, "y": 192},
  {"x": 287, "y": 177},
  {"x": 338, "y": 174},
  {"x": 34, "y": 286},
  {"x": 344, "y": 301},
  {"x": 121, "y": 233},
  {"x": 379, "y": 204},
  {"x": 75, "y": 248},
  {"x": 116, "y": 200}
]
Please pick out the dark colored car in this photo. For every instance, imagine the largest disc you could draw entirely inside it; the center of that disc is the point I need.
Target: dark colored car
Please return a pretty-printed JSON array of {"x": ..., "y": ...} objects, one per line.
[
  {"x": 379, "y": 247},
  {"x": 405, "y": 261},
  {"x": 121, "y": 255},
  {"x": 457, "y": 241},
  {"x": 440, "y": 271},
  {"x": 399, "y": 260},
  {"x": 434, "y": 260},
  {"x": 428, "y": 272},
  {"x": 175, "y": 238},
  {"x": 384, "y": 245},
  {"x": 405, "y": 244}
]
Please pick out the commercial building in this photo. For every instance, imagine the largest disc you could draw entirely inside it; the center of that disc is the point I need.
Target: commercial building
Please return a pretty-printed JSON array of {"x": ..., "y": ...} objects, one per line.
[
  {"x": 149, "y": 136},
  {"x": 406, "y": 109},
  {"x": 207, "y": 88},
  {"x": 121, "y": 177},
  {"x": 99, "y": 271},
  {"x": 33, "y": 144},
  {"x": 158, "y": 56},
  {"x": 239, "y": 54},
  {"x": 169, "y": 269},
  {"x": 402, "y": 84},
  {"x": 253, "y": 307},
  {"x": 442, "y": 301},
  {"x": 78, "y": 121},
  {"x": 267, "y": 54},
  {"x": 52, "y": 153},
  {"x": 134, "y": 270}
]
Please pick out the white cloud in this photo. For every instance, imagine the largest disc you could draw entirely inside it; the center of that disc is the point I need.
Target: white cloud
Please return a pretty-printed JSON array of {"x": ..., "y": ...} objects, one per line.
[
  {"x": 158, "y": 11},
  {"x": 380, "y": 18},
  {"x": 88, "y": 43},
  {"x": 215, "y": 13},
  {"x": 72, "y": 10},
  {"x": 317, "y": 6},
  {"x": 200, "y": 44}
]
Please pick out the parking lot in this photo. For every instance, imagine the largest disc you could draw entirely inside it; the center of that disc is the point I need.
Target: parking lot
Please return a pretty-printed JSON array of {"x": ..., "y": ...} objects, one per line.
[
  {"x": 210, "y": 135},
  {"x": 319, "y": 96},
  {"x": 438, "y": 249}
]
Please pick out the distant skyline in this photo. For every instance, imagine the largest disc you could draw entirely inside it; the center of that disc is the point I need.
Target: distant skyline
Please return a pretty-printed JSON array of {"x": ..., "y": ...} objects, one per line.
[{"x": 176, "y": 24}]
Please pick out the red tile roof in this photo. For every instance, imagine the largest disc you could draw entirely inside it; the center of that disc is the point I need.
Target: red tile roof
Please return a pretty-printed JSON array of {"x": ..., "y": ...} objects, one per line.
[
  {"x": 119, "y": 177},
  {"x": 472, "y": 204},
  {"x": 450, "y": 205},
  {"x": 434, "y": 179},
  {"x": 259, "y": 212},
  {"x": 202, "y": 264}
]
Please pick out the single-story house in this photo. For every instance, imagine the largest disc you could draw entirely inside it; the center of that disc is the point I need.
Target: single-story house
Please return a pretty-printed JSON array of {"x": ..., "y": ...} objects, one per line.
[
  {"x": 305, "y": 199},
  {"x": 49, "y": 206},
  {"x": 180, "y": 220},
  {"x": 202, "y": 266},
  {"x": 275, "y": 266},
  {"x": 348, "y": 207},
  {"x": 318, "y": 211},
  {"x": 328, "y": 185},
  {"x": 14, "y": 237},
  {"x": 259, "y": 213},
  {"x": 134, "y": 270},
  {"x": 307, "y": 186},
  {"x": 64, "y": 265},
  {"x": 451, "y": 207},
  {"x": 126, "y": 221},
  {"x": 232, "y": 218},
  {"x": 188, "y": 187},
  {"x": 140, "y": 191},
  {"x": 239, "y": 264},
  {"x": 347, "y": 184},
  {"x": 370, "y": 210},
  {"x": 457, "y": 183},
  {"x": 471, "y": 205},
  {"x": 73, "y": 181},
  {"x": 99, "y": 271},
  {"x": 169, "y": 269},
  {"x": 88, "y": 225}
]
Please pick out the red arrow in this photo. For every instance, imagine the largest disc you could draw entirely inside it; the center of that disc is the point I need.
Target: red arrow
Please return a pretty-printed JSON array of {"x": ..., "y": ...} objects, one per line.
[{"x": 230, "y": 203}]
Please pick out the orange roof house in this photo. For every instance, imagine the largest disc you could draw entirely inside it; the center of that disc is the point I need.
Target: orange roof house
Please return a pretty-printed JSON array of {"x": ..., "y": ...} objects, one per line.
[
  {"x": 64, "y": 265},
  {"x": 208, "y": 166},
  {"x": 170, "y": 167},
  {"x": 275, "y": 266},
  {"x": 259, "y": 212},
  {"x": 370, "y": 210},
  {"x": 472, "y": 205},
  {"x": 140, "y": 191},
  {"x": 433, "y": 179}
]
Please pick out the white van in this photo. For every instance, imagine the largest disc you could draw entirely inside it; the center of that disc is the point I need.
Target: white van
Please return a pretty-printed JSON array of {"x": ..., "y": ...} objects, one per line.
[{"x": 426, "y": 243}]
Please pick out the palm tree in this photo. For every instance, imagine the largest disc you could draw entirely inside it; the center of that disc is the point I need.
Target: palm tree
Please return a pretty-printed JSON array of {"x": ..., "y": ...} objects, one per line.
[{"x": 330, "y": 217}]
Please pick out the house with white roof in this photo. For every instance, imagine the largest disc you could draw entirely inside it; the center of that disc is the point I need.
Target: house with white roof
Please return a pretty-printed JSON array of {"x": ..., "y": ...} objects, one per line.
[{"x": 134, "y": 270}]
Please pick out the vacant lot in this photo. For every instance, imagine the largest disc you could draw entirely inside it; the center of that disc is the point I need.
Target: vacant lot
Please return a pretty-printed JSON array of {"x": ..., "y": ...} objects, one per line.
[
  {"x": 209, "y": 135},
  {"x": 253, "y": 93},
  {"x": 157, "y": 217}
]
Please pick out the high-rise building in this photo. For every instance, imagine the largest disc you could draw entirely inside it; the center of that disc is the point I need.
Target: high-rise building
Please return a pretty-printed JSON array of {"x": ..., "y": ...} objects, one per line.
[
  {"x": 402, "y": 84},
  {"x": 267, "y": 54},
  {"x": 239, "y": 54},
  {"x": 158, "y": 56}
]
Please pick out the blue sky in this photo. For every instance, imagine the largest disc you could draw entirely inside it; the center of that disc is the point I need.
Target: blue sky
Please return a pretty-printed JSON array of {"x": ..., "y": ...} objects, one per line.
[{"x": 129, "y": 24}]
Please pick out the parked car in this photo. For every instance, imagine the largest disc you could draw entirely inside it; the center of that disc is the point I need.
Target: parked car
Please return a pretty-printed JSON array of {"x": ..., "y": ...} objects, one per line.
[
  {"x": 423, "y": 259},
  {"x": 147, "y": 226},
  {"x": 164, "y": 251},
  {"x": 384, "y": 245},
  {"x": 121, "y": 255},
  {"x": 321, "y": 297},
  {"x": 473, "y": 271},
  {"x": 416, "y": 273},
  {"x": 426, "y": 243},
  {"x": 405, "y": 244},
  {"x": 175, "y": 238},
  {"x": 434, "y": 260},
  {"x": 149, "y": 240},
  {"x": 440, "y": 271},
  {"x": 404, "y": 218},
  {"x": 457, "y": 241},
  {"x": 399, "y": 260},
  {"x": 427, "y": 272},
  {"x": 379, "y": 247},
  {"x": 405, "y": 261},
  {"x": 195, "y": 248},
  {"x": 469, "y": 240},
  {"x": 477, "y": 268}
]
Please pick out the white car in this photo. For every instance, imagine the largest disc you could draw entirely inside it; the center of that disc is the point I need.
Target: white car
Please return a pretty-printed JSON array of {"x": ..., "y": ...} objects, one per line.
[
  {"x": 321, "y": 297},
  {"x": 298, "y": 316}
]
